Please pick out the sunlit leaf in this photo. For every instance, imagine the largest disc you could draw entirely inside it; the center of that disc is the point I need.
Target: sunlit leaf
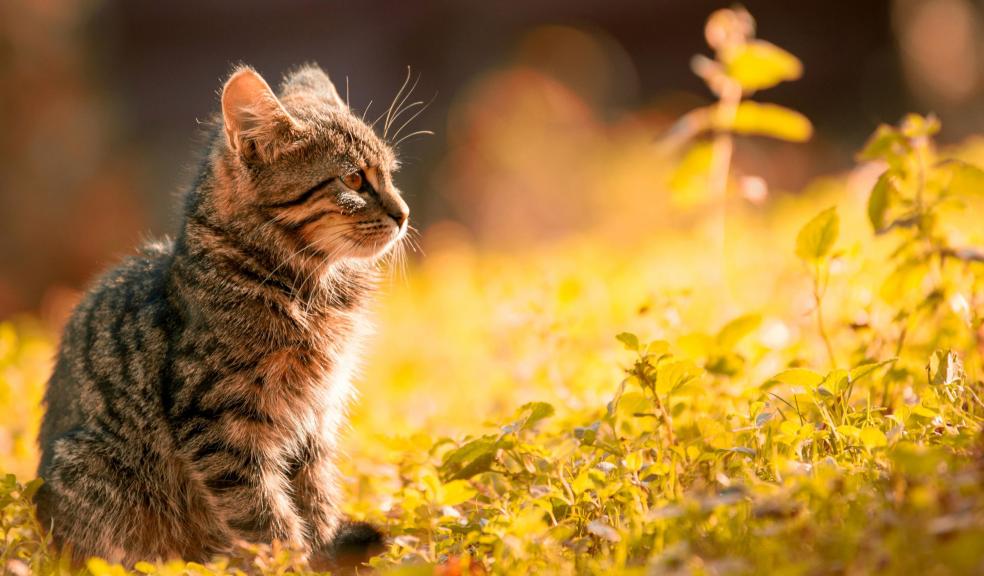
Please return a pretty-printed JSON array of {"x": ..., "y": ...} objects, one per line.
[
  {"x": 759, "y": 64},
  {"x": 799, "y": 377},
  {"x": 863, "y": 370},
  {"x": 966, "y": 179},
  {"x": 536, "y": 411},
  {"x": 673, "y": 375},
  {"x": 849, "y": 431},
  {"x": 456, "y": 492},
  {"x": 735, "y": 330},
  {"x": 873, "y": 438},
  {"x": 818, "y": 236},
  {"x": 916, "y": 126},
  {"x": 629, "y": 340},
  {"x": 885, "y": 144},
  {"x": 772, "y": 120},
  {"x": 584, "y": 481}
]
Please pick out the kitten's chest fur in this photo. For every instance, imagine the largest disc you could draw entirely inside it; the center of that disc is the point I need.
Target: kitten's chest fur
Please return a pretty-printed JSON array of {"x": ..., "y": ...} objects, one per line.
[{"x": 272, "y": 395}]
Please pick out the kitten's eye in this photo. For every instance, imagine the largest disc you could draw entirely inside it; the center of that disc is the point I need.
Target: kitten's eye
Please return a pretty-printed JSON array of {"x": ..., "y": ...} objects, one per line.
[{"x": 353, "y": 180}]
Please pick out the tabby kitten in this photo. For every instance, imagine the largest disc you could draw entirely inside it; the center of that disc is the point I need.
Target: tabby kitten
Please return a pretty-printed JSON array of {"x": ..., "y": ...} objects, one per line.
[{"x": 200, "y": 386}]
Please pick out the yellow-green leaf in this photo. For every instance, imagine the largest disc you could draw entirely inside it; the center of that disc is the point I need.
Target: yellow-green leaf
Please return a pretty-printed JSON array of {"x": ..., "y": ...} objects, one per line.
[
  {"x": 799, "y": 377},
  {"x": 849, "y": 431},
  {"x": 456, "y": 492},
  {"x": 880, "y": 199},
  {"x": 582, "y": 482},
  {"x": 759, "y": 64},
  {"x": 967, "y": 179},
  {"x": 734, "y": 331},
  {"x": 629, "y": 340},
  {"x": 872, "y": 438},
  {"x": 817, "y": 237},
  {"x": 916, "y": 126},
  {"x": 772, "y": 120}
]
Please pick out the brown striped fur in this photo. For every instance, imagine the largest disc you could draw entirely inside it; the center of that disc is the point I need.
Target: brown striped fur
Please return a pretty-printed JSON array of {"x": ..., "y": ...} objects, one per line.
[{"x": 200, "y": 386}]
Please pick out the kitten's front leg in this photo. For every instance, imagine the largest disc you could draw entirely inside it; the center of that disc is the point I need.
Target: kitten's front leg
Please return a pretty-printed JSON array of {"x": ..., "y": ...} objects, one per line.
[{"x": 316, "y": 494}]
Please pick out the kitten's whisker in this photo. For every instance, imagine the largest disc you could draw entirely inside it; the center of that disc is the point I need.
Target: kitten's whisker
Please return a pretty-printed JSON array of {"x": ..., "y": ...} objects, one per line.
[
  {"x": 366, "y": 111},
  {"x": 411, "y": 135},
  {"x": 389, "y": 111},
  {"x": 414, "y": 116},
  {"x": 403, "y": 110},
  {"x": 413, "y": 239},
  {"x": 400, "y": 107}
]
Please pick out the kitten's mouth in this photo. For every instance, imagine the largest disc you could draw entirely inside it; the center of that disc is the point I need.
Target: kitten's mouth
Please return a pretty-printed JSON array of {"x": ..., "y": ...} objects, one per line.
[{"x": 375, "y": 240}]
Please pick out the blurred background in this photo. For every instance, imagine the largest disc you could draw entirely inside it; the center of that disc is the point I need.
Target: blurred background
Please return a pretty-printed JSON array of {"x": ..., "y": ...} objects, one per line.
[{"x": 545, "y": 113}]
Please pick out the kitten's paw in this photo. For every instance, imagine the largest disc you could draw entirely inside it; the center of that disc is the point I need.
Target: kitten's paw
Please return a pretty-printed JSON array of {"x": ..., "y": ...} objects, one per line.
[{"x": 354, "y": 544}]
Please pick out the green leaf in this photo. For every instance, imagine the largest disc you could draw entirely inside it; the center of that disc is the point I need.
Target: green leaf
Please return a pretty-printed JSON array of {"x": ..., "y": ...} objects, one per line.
[
  {"x": 884, "y": 191},
  {"x": 31, "y": 488},
  {"x": 586, "y": 434},
  {"x": 758, "y": 64},
  {"x": 472, "y": 458},
  {"x": 629, "y": 340},
  {"x": 799, "y": 377},
  {"x": 772, "y": 120},
  {"x": 817, "y": 237}
]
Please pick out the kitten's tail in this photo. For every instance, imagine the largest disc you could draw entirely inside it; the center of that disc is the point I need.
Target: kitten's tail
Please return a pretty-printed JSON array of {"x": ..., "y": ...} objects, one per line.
[{"x": 354, "y": 544}]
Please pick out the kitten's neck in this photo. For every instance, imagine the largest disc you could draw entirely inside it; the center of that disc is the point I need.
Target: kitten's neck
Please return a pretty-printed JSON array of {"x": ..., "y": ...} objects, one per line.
[{"x": 224, "y": 280}]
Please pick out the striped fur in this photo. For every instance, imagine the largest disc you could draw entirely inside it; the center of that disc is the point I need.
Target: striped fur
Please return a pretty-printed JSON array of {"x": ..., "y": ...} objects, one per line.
[{"x": 200, "y": 386}]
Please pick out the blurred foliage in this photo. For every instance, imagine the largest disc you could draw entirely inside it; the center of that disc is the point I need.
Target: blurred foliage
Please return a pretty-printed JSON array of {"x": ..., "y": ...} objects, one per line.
[{"x": 602, "y": 405}]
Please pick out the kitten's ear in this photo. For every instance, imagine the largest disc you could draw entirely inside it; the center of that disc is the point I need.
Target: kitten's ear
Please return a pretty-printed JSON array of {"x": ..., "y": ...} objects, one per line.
[
  {"x": 312, "y": 81},
  {"x": 257, "y": 125}
]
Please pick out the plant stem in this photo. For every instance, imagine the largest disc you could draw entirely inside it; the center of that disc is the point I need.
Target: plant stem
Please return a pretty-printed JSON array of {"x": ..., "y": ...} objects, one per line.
[
  {"x": 721, "y": 152},
  {"x": 818, "y": 292}
]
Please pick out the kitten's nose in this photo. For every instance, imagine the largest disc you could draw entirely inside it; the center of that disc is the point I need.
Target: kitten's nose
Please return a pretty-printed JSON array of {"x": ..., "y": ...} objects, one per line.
[
  {"x": 397, "y": 210},
  {"x": 400, "y": 216}
]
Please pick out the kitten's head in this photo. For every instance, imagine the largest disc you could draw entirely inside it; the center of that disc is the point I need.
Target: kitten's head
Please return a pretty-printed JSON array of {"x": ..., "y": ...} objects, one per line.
[{"x": 299, "y": 173}]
